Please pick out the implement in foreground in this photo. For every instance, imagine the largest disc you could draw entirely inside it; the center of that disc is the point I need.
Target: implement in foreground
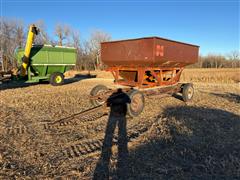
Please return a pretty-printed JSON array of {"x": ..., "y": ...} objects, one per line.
[{"x": 150, "y": 66}]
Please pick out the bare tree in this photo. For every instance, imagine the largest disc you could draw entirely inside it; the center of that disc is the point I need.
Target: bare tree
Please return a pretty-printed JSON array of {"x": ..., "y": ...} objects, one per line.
[
  {"x": 62, "y": 32},
  {"x": 42, "y": 37},
  {"x": 234, "y": 58},
  {"x": 234, "y": 55},
  {"x": 97, "y": 37},
  {"x": 19, "y": 34},
  {"x": 12, "y": 35},
  {"x": 76, "y": 43},
  {"x": 93, "y": 46},
  {"x": 75, "y": 34},
  {"x": 212, "y": 60}
]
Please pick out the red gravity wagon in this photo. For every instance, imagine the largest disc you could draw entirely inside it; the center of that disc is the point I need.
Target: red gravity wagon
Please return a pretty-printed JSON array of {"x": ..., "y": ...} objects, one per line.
[{"x": 145, "y": 67}]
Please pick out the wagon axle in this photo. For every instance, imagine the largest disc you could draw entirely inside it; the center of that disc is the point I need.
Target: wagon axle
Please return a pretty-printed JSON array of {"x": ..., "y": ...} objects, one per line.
[{"x": 100, "y": 94}]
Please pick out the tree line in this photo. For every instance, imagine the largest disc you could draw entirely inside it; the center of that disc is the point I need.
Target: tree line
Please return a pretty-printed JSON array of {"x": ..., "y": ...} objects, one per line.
[
  {"x": 13, "y": 35},
  {"x": 230, "y": 60}
]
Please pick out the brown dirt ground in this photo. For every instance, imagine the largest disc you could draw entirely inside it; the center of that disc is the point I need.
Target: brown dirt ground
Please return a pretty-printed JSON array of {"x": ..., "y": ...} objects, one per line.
[{"x": 197, "y": 140}]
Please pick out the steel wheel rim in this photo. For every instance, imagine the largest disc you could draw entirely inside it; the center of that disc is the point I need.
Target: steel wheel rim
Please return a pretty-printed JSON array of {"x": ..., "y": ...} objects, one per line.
[
  {"x": 137, "y": 103},
  {"x": 58, "y": 79},
  {"x": 100, "y": 100},
  {"x": 190, "y": 93}
]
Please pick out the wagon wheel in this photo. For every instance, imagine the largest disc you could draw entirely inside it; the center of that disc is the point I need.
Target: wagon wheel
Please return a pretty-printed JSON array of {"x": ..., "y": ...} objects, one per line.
[
  {"x": 137, "y": 103},
  {"x": 99, "y": 91},
  {"x": 56, "y": 79},
  {"x": 187, "y": 92}
]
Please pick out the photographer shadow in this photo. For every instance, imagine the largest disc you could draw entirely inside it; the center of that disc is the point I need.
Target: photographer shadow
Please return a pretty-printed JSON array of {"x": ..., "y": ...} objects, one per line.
[{"x": 118, "y": 109}]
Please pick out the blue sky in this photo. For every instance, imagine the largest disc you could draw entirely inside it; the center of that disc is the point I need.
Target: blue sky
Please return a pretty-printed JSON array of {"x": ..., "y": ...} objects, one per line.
[{"x": 214, "y": 25}]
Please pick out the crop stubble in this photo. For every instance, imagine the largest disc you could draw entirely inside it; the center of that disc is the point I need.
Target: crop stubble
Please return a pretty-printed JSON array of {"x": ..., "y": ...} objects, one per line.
[{"x": 32, "y": 146}]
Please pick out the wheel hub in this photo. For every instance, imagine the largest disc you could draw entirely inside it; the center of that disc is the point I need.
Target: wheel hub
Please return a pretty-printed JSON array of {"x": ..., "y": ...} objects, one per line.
[
  {"x": 190, "y": 93},
  {"x": 136, "y": 102},
  {"x": 58, "y": 79},
  {"x": 100, "y": 99}
]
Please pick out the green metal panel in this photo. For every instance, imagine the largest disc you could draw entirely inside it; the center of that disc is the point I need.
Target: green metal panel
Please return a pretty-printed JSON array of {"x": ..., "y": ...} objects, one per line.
[
  {"x": 50, "y": 55},
  {"x": 46, "y": 60},
  {"x": 55, "y": 57}
]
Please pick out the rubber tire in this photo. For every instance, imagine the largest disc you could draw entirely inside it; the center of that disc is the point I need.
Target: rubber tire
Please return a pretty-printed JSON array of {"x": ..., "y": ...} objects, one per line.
[
  {"x": 53, "y": 79},
  {"x": 95, "y": 91},
  {"x": 130, "y": 111},
  {"x": 185, "y": 92}
]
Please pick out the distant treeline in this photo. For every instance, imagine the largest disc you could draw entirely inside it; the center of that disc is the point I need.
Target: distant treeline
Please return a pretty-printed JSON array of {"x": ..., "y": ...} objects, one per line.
[
  {"x": 230, "y": 60},
  {"x": 13, "y": 34}
]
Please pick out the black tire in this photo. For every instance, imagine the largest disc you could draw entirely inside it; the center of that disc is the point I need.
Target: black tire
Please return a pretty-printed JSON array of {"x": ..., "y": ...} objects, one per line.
[
  {"x": 187, "y": 92},
  {"x": 137, "y": 103},
  {"x": 97, "y": 90},
  {"x": 56, "y": 79}
]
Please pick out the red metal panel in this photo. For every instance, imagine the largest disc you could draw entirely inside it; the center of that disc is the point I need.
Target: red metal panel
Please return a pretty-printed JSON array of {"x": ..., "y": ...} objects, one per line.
[
  {"x": 127, "y": 53},
  {"x": 175, "y": 54},
  {"x": 146, "y": 77},
  {"x": 148, "y": 52}
]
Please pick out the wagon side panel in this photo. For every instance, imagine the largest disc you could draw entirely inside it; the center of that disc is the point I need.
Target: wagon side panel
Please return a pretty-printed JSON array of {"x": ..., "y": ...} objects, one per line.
[
  {"x": 151, "y": 52},
  {"x": 174, "y": 54},
  {"x": 130, "y": 53}
]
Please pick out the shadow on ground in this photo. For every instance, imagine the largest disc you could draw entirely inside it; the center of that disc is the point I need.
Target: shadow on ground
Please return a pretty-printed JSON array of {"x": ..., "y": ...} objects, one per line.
[
  {"x": 22, "y": 84},
  {"x": 117, "y": 119},
  {"x": 15, "y": 85},
  {"x": 178, "y": 96},
  {"x": 185, "y": 142},
  {"x": 78, "y": 77},
  {"x": 229, "y": 96}
]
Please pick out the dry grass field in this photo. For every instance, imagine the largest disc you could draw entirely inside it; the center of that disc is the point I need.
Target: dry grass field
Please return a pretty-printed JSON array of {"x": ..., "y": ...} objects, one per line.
[
  {"x": 169, "y": 140},
  {"x": 224, "y": 75}
]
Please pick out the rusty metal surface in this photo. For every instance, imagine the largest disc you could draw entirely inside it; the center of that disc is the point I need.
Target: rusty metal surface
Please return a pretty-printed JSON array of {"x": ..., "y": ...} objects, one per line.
[
  {"x": 145, "y": 77},
  {"x": 152, "y": 51}
]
